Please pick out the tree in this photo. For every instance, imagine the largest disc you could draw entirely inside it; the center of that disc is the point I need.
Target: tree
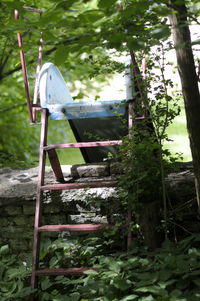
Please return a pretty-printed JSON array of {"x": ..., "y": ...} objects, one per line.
[{"x": 189, "y": 81}]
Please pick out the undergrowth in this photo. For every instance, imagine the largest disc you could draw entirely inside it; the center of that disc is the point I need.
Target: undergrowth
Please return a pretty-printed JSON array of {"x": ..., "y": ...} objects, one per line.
[
  {"x": 14, "y": 276},
  {"x": 170, "y": 273}
]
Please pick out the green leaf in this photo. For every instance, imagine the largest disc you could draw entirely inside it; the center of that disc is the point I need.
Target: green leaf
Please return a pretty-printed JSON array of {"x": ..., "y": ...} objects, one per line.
[
  {"x": 45, "y": 284},
  {"x": 46, "y": 296},
  {"x": 176, "y": 293},
  {"x": 135, "y": 44},
  {"x": 4, "y": 250},
  {"x": 150, "y": 289},
  {"x": 165, "y": 275},
  {"x": 122, "y": 284},
  {"x": 130, "y": 297},
  {"x": 91, "y": 16},
  {"x": 194, "y": 273},
  {"x": 47, "y": 35},
  {"x": 53, "y": 261},
  {"x": 197, "y": 282},
  {"x": 61, "y": 54},
  {"x": 8, "y": 287},
  {"x": 147, "y": 298},
  {"x": 115, "y": 267},
  {"x": 49, "y": 17},
  {"x": 75, "y": 296},
  {"x": 65, "y": 4},
  {"x": 61, "y": 298},
  {"x": 18, "y": 272},
  {"x": 106, "y": 3},
  {"x": 2, "y": 269},
  {"x": 26, "y": 291},
  {"x": 91, "y": 272},
  {"x": 161, "y": 32}
]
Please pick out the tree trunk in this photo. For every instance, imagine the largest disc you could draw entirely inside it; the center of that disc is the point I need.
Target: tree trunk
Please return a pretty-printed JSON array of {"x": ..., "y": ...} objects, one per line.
[
  {"x": 149, "y": 221},
  {"x": 189, "y": 82}
]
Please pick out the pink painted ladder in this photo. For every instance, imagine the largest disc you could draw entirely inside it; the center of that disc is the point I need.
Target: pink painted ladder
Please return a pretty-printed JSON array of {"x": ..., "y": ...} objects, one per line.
[{"x": 50, "y": 150}]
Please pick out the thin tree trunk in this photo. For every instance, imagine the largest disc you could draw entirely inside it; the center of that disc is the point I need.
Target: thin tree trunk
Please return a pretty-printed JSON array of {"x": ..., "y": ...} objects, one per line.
[{"x": 189, "y": 82}]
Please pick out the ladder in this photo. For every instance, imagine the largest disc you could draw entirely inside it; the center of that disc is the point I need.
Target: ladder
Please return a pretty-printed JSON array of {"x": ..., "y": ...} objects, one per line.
[
  {"x": 41, "y": 187},
  {"x": 50, "y": 151}
]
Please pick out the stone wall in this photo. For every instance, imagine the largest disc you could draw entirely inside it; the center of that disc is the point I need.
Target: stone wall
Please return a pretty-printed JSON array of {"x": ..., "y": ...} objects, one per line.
[
  {"x": 99, "y": 205},
  {"x": 17, "y": 201}
]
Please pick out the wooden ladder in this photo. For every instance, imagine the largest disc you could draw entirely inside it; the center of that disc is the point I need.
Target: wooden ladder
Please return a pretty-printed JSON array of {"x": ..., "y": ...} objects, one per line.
[{"x": 62, "y": 185}]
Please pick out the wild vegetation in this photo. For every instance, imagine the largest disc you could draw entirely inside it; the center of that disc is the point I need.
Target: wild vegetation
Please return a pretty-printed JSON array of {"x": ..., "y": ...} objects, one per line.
[
  {"x": 79, "y": 41},
  {"x": 170, "y": 273},
  {"x": 83, "y": 37}
]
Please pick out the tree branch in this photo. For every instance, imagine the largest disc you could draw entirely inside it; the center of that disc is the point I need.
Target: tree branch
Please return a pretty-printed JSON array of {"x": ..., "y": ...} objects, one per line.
[
  {"x": 46, "y": 53},
  {"x": 12, "y": 108},
  {"x": 10, "y": 72}
]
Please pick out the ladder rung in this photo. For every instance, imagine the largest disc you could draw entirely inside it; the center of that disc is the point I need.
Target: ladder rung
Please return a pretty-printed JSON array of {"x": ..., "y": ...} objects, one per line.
[
  {"x": 77, "y": 227},
  {"x": 95, "y": 184},
  {"x": 62, "y": 271},
  {"x": 140, "y": 118},
  {"x": 83, "y": 144}
]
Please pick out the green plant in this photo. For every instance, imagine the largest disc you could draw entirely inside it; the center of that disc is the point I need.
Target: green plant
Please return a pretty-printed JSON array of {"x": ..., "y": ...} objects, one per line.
[
  {"x": 170, "y": 273},
  {"x": 14, "y": 277},
  {"x": 145, "y": 160}
]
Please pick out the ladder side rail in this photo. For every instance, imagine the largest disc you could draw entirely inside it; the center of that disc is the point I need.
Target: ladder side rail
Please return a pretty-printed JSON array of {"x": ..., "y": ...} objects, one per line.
[
  {"x": 31, "y": 109},
  {"x": 38, "y": 68},
  {"x": 40, "y": 52},
  {"x": 24, "y": 72},
  {"x": 38, "y": 208},
  {"x": 55, "y": 165}
]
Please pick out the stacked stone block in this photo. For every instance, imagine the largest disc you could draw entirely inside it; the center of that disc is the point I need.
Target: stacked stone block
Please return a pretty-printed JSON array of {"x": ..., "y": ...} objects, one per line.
[{"x": 18, "y": 195}]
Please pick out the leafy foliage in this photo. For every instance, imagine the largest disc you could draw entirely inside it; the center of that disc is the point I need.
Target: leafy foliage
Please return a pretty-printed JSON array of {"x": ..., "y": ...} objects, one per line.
[
  {"x": 14, "y": 277},
  {"x": 145, "y": 160},
  {"x": 168, "y": 274},
  {"x": 77, "y": 36},
  {"x": 81, "y": 35}
]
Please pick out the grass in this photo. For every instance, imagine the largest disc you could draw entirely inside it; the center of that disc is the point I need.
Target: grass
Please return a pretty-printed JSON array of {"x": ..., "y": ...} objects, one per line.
[
  {"x": 177, "y": 132},
  {"x": 61, "y": 133}
]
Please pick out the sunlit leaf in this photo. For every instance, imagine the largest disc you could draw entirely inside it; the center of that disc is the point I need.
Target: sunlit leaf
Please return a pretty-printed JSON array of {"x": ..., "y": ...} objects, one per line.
[
  {"x": 106, "y": 3},
  {"x": 61, "y": 54}
]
